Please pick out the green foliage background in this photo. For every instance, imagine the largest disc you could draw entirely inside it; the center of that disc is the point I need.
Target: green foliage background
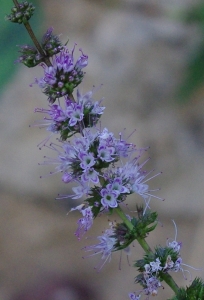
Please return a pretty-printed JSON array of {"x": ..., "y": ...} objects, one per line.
[
  {"x": 11, "y": 35},
  {"x": 194, "y": 76}
]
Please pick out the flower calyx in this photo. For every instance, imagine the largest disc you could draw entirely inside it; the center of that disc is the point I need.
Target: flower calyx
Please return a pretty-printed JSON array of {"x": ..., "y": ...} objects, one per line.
[
  {"x": 194, "y": 292},
  {"x": 143, "y": 221},
  {"x": 123, "y": 236}
]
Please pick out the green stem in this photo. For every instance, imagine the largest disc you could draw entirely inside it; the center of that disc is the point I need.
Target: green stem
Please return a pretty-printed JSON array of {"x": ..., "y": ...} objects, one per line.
[
  {"x": 165, "y": 276},
  {"x": 144, "y": 245},
  {"x": 141, "y": 241},
  {"x": 122, "y": 215},
  {"x": 170, "y": 281}
]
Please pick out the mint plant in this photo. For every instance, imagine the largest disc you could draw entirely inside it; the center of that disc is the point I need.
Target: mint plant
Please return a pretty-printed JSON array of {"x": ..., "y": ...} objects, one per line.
[{"x": 105, "y": 169}]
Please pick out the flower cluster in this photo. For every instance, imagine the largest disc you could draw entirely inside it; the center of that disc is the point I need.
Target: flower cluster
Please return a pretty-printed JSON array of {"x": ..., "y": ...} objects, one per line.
[
  {"x": 90, "y": 161},
  {"x": 154, "y": 266},
  {"x": 63, "y": 75},
  {"x": 74, "y": 116}
]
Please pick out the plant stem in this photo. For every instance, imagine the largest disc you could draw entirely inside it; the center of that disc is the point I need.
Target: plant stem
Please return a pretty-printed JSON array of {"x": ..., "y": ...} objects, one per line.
[
  {"x": 34, "y": 39},
  {"x": 16, "y": 3},
  {"x": 122, "y": 215},
  {"x": 165, "y": 276},
  {"x": 170, "y": 281},
  {"x": 144, "y": 245},
  {"x": 141, "y": 241}
]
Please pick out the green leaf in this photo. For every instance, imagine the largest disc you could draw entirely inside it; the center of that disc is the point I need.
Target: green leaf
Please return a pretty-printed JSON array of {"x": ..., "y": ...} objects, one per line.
[{"x": 194, "y": 75}]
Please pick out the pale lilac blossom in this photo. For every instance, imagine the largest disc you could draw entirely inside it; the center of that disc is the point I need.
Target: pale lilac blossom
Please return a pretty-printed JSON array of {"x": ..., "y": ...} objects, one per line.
[
  {"x": 176, "y": 246},
  {"x": 80, "y": 191},
  {"x": 109, "y": 197},
  {"x": 74, "y": 113},
  {"x": 106, "y": 153},
  {"x": 152, "y": 285},
  {"x": 156, "y": 265},
  {"x": 84, "y": 223},
  {"x": 90, "y": 175},
  {"x": 105, "y": 247},
  {"x": 133, "y": 296},
  {"x": 87, "y": 160}
]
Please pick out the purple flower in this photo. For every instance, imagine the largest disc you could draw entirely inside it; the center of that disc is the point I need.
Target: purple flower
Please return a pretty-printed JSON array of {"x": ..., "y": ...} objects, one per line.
[
  {"x": 176, "y": 246},
  {"x": 135, "y": 179},
  {"x": 177, "y": 265},
  {"x": 82, "y": 61},
  {"x": 67, "y": 177},
  {"x": 90, "y": 175},
  {"x": 105, "y": 247},
  {"x": 109, "y": 197},
  {"x": 84, "y": 223},
  {"x": 169, "y": 264},
  {"x": 87, "y": 102},
  {"x": 87, "y": 160},
  {"x": 74, "y": 113},
  {"x": 64, "y": 61},
  {"x": 81, "y": 144},
  {"x": 117, "y": 185},
  {"x": 140, "y": 188},
  {"x": 80, "y": 191},
  {"x": 63, "y": 76},
  {"x": 105, "y": 153},
  {"x": 97, "y": 109},
  {"x": 133, "y": 296},
  {"x": 155, "y": 265},
  {"x": 56, "y": 113},
  {"x": 108, "y": 142},
  {"x": 105, "y": 134},
  {"x": 152, "y": 285}
]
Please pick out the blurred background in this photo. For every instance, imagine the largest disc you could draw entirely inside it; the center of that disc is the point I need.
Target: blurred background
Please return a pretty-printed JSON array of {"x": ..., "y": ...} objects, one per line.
[{"x": 149, "y": 56}]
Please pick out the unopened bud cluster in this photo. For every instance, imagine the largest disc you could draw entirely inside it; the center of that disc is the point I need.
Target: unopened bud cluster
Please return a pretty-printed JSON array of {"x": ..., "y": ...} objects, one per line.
[
  {"x": 51, "y": 43},
  {"x": 31, "y": 57},
  {"x": 22, "y": 13}
]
